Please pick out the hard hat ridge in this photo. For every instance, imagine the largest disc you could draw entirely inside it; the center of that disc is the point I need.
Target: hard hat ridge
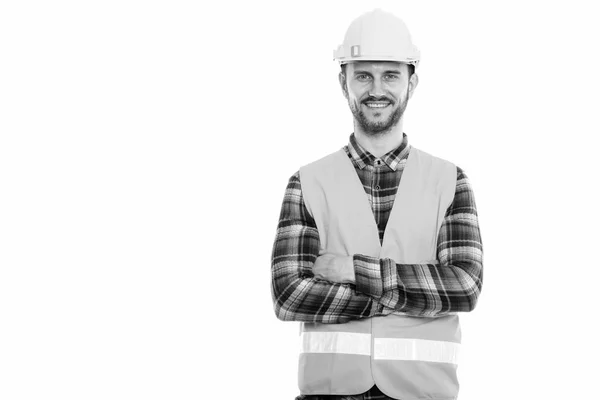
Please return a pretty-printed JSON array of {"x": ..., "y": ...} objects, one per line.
[{"x": 377, "y": 36}]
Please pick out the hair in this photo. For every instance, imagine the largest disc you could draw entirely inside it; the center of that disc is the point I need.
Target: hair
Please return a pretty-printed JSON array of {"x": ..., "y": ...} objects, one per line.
[{"x": 411, "y": 70}]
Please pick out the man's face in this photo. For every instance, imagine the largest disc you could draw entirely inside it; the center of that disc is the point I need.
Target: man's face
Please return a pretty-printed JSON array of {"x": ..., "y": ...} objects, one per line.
[{"x": 377, "y": 93}]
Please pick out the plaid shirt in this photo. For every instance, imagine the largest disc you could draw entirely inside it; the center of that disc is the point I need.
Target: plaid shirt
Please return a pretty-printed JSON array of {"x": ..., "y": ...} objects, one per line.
[
  {"x": 382, "y": 285},
  {"x": 372, "y": 394}
]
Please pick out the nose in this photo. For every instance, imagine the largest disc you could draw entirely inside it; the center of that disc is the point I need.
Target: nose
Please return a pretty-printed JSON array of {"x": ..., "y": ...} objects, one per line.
[{"x": 377, "y": 88}]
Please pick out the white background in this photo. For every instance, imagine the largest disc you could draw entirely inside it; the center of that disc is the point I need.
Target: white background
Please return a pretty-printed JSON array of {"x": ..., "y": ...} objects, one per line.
[{"x": 144, "y": 152}]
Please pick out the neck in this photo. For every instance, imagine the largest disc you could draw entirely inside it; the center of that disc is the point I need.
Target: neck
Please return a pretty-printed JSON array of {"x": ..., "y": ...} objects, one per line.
[{"x": 381, "y": 143}]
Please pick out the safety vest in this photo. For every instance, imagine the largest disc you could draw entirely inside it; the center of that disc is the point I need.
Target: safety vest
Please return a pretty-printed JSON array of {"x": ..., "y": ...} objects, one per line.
[{"x": 407, "y": 357}]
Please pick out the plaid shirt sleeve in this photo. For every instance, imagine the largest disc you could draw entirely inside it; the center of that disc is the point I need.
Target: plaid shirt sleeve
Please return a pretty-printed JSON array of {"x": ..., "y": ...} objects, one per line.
[
  {"x": 451, "y": 285},
  {"x": 297, "y": 294}
]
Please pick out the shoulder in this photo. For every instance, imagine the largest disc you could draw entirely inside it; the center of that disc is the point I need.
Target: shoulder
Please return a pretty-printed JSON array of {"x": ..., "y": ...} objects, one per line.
[
  {"x": 434, "y": 159},
  {"x": 460, "y": 173},
  {"x": 321, "y": 167},
  {"x": 439, "y": 168},
  {"x": 313, "y": 168},
  {"x": 294, "y": 179}
]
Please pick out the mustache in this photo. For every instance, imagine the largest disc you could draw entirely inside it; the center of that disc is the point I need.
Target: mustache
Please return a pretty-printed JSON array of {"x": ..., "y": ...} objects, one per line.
[{"x": 373, "y": 98}]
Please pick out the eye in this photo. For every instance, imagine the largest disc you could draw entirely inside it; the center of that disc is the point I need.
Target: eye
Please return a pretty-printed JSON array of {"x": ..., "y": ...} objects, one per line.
[
  {"x": 392, "y": 77},
  {"x": 362, "y": 77}
]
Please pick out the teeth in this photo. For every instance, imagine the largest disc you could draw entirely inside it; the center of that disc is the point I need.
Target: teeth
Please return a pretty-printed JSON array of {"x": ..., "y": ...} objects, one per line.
[{"x": 377, "y": 105}]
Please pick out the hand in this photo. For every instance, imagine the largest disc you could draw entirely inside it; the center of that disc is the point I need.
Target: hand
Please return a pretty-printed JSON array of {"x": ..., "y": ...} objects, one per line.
[{"x": 334, "y": 268}]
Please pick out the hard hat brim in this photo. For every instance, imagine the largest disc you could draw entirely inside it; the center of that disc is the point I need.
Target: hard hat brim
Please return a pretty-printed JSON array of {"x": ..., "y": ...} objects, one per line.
[
  {"x": 404, "y": 61},
  {"x": 345, "y": 57}
]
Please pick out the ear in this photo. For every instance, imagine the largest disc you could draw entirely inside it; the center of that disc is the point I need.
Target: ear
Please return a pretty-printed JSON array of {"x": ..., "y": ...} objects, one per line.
[
  {"x": 342, "y": 80},
  {"x": 412, "y": 84}
]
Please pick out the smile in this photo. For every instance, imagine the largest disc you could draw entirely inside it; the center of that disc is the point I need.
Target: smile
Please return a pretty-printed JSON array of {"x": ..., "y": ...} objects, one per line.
[{"x": 377, "y": 104}]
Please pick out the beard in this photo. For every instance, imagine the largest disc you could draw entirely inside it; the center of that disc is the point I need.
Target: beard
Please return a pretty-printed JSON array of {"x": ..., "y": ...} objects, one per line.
[{"x": 372, "y": 127}]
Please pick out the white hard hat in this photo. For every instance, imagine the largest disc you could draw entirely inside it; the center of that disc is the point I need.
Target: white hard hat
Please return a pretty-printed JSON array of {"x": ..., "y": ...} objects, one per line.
[{"x": 377, "y": 36}]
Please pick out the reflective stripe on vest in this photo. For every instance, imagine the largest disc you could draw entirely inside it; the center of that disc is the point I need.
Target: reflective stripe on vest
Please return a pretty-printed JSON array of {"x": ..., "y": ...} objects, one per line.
[
  {"x": 384, "y": 348},
  {"x": 336, "y": 342},
  {"x": 406, "y": 357}
]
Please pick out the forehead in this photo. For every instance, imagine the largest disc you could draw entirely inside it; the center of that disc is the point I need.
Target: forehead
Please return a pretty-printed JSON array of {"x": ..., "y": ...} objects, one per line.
[{"x": 375, "y": 66}]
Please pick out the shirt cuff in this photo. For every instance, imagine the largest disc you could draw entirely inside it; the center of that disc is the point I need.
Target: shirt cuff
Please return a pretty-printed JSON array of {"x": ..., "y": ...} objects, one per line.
[{"x": 367, "y": 275}]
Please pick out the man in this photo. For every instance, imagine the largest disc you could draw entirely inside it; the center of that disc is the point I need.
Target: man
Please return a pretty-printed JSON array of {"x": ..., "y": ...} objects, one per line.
[{"x": 378, "y": 246}]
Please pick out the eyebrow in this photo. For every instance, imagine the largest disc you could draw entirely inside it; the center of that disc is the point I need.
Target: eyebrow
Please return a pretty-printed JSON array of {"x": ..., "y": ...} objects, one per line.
[{"x": 389, "y": 71}]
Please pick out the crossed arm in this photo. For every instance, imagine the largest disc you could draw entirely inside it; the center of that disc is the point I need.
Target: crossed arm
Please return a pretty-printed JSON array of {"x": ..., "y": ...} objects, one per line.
[{"x": 329, "y": 289}]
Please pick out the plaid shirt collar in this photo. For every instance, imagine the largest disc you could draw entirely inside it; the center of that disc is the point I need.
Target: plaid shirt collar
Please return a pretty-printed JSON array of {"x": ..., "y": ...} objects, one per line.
[{"x": 362, "y": 157}]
